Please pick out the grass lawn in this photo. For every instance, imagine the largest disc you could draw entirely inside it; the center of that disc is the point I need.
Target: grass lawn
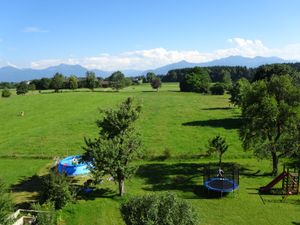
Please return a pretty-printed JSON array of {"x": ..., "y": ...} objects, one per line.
[{"x": 55, "y": 125}]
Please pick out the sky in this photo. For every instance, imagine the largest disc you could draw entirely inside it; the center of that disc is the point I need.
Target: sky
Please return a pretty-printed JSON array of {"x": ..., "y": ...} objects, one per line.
[{"x": 144, "y": 34}]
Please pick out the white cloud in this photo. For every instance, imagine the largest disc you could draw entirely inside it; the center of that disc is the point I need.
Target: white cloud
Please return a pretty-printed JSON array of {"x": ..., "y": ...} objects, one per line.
[
  {"x": 153, "y": 58},
  {"x": 34, "y": 30}
]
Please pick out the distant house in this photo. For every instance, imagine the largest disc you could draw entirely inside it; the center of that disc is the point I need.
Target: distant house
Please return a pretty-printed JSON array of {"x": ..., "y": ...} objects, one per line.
[{"x": 104, "y": 84}]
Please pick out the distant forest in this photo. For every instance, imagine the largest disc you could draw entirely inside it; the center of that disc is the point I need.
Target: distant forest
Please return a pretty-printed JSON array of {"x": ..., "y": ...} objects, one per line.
[{"x": 217, "y": 72}]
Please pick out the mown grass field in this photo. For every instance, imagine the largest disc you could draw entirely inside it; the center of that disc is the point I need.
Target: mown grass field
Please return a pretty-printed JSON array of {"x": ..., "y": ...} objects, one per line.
[{"x": 55, "y": 125}]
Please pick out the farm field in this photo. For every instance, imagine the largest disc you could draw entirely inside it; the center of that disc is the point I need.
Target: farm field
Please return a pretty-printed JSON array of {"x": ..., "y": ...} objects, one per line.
[{"x": 55, "y": 125}]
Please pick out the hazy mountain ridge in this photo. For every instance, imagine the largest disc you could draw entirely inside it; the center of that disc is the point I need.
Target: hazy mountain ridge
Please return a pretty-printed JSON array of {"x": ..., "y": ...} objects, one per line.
[{"x": 13, "y": 74}]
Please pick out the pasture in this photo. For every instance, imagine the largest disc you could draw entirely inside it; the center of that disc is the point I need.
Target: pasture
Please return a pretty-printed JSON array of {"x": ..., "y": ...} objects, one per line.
[{"x": 55, "y": 125}]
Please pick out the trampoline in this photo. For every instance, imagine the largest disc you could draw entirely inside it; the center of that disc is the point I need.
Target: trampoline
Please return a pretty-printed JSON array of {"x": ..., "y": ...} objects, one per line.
[
  {"x": 72, "y": 166},
  {"x": 221, "y": 185},
  {"x": 219, "y": 180}
]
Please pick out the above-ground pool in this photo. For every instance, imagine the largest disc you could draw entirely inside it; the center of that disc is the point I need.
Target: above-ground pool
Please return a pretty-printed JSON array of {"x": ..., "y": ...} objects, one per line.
[{"x": 72, "y": 166}]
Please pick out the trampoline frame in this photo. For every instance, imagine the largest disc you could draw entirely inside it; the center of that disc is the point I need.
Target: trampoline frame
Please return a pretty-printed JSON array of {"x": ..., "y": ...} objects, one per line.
[{"x": 231, "y": 174}]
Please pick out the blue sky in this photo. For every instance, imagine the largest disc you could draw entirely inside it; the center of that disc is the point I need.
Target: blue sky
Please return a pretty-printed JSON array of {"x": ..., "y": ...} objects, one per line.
[{"x": 141, "y": 34}]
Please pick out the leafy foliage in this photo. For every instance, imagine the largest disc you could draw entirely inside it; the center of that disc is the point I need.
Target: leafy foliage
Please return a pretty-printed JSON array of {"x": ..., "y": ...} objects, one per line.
[
  {"x": 217, "y": 89},
  {"x": 6, "y": 93},
  {"x": 218, "y": 145},
  {"x": 270, "y": 110},
  {"x": 47, "y": 214},
  {"x": 6, "y": 205},
  {"x": 117, "y": 144},
  {"x": 117, "y": 81},
  {"x": 57, "y": 82},
  {"x": 238, "y": 90},
  {"x": 164, "y": 209},
  {"x": 57, "y": 189},
  {"x": 150, "y": 76},
  {"x": 156, "y": 83},
  {"x": 196, "y": 82},
  {"x": 73, "y": 82},
  {"x": 90, "y": 80},
  {"x": 22, "y": 88}
]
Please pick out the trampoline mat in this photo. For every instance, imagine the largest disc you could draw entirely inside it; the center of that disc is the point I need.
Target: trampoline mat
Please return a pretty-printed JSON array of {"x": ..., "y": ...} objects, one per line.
[{"x": 221, "y": 184}]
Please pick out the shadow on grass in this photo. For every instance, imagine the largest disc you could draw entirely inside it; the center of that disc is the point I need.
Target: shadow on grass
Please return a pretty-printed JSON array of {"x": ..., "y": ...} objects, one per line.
[
  {"x": 185, "y": 177},
  {"x": 218, "y": 108},
  {"x": 228, "y": 123},
  {"x": 31, "y": 187},
  {"x": 97, "y": 193}
]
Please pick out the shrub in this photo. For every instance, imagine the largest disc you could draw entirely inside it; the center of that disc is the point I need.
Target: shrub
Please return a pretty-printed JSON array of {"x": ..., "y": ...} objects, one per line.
[
  {"x": 6, "y": 206},
  {"x": 6, "y": 93},
  {"x": 47, "y": 214},
  {"x": 164, "y": 209},
  {"x": 217, "y": 89},
  {"x": 57, "y": 189}
]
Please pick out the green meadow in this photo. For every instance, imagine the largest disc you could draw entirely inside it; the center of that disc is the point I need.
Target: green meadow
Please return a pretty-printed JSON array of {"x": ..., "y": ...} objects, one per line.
[{"x": 54, "y": 125}]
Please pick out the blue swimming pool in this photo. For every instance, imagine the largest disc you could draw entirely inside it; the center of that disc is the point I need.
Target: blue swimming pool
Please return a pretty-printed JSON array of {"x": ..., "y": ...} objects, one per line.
[{"x": 72, "y": 166}]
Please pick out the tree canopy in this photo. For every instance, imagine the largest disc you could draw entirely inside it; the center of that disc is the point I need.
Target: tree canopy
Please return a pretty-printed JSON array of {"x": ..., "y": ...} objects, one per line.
[
  {"x": 270, "y": 110},
  {"x": 198, "y": 81},
  {"x": 117, "y": 145},
  {"x": 57, "y": 82}
]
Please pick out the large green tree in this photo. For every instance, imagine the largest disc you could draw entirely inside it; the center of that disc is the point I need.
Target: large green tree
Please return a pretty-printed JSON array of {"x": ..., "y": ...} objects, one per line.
[
  {"x": 57, "y": 82},
  {"x": 117, "y": 145},
  {"x": 196, "y": 81},
  {"x": 270, "y": 110},
  {"x": 22, "y": 88},
  {"x": 150, "y": 76},
  {"x": 117, "y": 81},
  {"x": 73, "y": 82},
  {"x": 91, "y": 80}
]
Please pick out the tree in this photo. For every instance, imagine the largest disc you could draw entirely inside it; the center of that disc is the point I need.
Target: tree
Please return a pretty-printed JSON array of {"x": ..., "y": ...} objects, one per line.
[
  {"x": 117, "y": 81},
  {"x": 153, "y": 209},
  {"x": 226, "y": 79},
  {"x": 22, "y": 88},
  {"x": 6, "y": 205},
  {"x": 45, "y": 83},
  {"x": 117, "y": 145},
  {"x": 238, "y": 90},
  {"x": 6, "y": 93},
  {"x": 155, "y": 83},
  {"x": 57, "y": 82},
  {"x": 197, "y": 81},
  {"x": 72, "y": 82},
  {"x": 91, "y": 80},
  {"x": 270, "y": 110},
  {"x": 218, "y": 145},
  {"x": 150, "y": 76},
  {"x": 57, "y": 189},
  {"x": 217, "y": 89},
  {"x": 31, "y": 87}
]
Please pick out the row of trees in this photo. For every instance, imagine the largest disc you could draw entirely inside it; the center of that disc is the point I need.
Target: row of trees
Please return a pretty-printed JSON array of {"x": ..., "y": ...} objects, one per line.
[{"x": 116, "y": 81}]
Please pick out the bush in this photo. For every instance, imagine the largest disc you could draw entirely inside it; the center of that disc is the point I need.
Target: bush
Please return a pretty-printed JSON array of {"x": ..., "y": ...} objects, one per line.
[
  {"x": 57, "y": 189},
  {"x": 164, "y": 209},
  {"x": 47, "y": 216},
  {"x": 6, "y": 206},
  {"x": 217, "y": 89},
  {"x": 6, "y": 93}
]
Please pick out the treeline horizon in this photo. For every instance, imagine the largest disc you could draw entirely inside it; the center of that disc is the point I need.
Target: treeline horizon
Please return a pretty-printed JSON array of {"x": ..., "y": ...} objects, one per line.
[{"x": 216, "y": 74}]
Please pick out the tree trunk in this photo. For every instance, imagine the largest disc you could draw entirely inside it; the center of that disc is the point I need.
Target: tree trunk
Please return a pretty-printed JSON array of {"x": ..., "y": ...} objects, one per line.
[
  {"x": 274, "y": 163},
  {"x": 121, "y": 187},
  {"x": 220, "y": 160}
]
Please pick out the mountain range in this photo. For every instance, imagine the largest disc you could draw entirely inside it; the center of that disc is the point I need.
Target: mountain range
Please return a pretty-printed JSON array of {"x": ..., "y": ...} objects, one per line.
[{"x": 12, "y": 74}]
